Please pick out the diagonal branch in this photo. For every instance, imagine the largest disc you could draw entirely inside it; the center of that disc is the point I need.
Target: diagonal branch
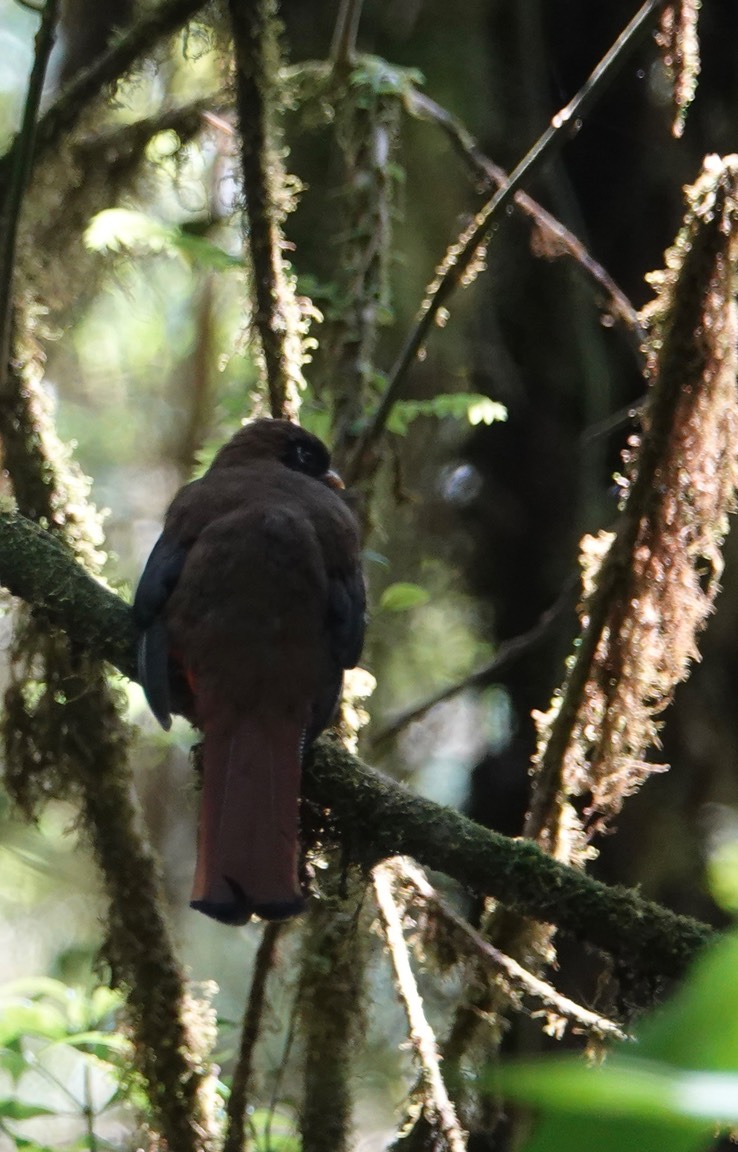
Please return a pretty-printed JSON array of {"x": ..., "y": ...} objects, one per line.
[
  {"x": 507, "y": 655},
  {"x": 461, "y": 256},
  {"x": 557, "y": 238},
  {"x": 473, "y": 943},
  {"x": 237, "y": 1108}
]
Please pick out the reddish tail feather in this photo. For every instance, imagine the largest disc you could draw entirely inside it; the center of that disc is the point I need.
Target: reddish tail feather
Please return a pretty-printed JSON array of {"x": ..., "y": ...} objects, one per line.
[{"x": 247, "y": 852}]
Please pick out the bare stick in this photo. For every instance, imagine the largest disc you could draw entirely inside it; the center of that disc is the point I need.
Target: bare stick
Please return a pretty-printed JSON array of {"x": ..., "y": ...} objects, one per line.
[
  {"x": 343, "y": 45},
  {"x": 507, "y": 655},
  {"x": 437, "y": 1102},
  {"x": 461, "y": 255},
  {"x": 519, "y": 977},
  {"x": 252, "y": 1021},
  {"x": 18, "y": 182}
]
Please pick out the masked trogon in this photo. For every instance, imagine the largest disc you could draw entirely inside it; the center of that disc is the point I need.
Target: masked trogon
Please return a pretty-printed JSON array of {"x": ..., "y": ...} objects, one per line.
[{"x": 250, "y": 607}]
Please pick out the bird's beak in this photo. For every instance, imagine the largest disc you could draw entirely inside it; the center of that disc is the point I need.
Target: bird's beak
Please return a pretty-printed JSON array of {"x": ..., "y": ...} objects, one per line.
[{"x": 333, "y": 480}]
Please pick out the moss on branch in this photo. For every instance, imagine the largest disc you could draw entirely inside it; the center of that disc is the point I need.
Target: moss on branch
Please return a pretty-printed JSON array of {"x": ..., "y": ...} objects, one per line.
[
  {"x": 373, "y": 816},
  {"x": 376, "y": 818},
  {"x": 37, "y": 567}
]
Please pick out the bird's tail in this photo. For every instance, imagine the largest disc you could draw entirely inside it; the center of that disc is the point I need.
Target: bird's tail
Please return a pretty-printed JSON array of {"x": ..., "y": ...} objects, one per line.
[{"x": 247, "y": 852}]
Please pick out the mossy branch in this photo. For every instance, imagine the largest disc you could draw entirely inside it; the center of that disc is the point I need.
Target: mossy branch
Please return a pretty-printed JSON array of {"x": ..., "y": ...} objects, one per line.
[
  {"x": 331, "y": 1008},
  {"x": 657, "y": 581},
  {"x": 257, "y": 64},
  {"x": 372, "y": 815},
  {"x": 38, "y": 568}
]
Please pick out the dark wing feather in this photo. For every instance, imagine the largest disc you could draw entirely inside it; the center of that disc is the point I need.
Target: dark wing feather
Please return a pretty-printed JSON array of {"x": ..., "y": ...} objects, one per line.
[
  {"x": 157, "y": 582},
  {"x": 346, "y": 609}
]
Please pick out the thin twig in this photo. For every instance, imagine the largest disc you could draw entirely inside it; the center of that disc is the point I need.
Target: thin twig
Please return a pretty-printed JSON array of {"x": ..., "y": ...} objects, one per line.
[
  {"x": 343, "y": 45},
  {"x": 18, "y": 182},
  {"x": 88, "y": 1110},
  {"x": 437, "y": 1103},
  {"x": 252, "y": 1022},
  {"x": 461, "y": 255},
  {"x": 409, "y": 872},
  {"x": 508, "y": 654},
  {"x": 626, "y": 416},
  {"x": 559, "y": 240},
  {"x": 281, "y": 1072}
]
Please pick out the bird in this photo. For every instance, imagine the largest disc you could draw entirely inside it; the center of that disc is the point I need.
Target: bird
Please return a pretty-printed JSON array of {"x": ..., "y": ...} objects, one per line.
[{"x": 250, "y": 607}]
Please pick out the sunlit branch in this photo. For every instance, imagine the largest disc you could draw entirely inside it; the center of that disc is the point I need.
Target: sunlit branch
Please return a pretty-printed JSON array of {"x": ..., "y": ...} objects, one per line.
[
  {"x": 668, "y": 534},
  {"x": 438, "y": 1108},
  {"x": 474, "y": 944}
]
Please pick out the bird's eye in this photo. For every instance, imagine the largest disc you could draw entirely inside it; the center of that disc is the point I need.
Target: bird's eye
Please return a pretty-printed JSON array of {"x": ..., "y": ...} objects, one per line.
[{"x": 304, "y": 456}]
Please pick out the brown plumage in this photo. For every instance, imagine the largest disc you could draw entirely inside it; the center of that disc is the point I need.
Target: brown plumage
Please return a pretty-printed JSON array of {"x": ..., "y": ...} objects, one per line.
[{"x": 251, "y": 605}]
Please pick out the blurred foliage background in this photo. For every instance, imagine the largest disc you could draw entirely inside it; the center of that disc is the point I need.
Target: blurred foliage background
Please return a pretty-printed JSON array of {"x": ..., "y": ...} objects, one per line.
[{"x": 148, "y": 364}]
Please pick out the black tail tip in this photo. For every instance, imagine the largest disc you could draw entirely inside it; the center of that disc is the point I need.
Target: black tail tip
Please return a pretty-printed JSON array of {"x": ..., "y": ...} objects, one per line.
[{"x": 241, "y": 908}]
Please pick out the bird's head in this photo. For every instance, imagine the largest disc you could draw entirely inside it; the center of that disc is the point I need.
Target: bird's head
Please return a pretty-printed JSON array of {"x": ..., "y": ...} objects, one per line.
[{"x": 282, "y": 441}]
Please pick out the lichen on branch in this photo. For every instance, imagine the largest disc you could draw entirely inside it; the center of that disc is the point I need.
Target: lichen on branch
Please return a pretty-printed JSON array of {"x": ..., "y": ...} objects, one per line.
[{"x": 650, "y": 585}]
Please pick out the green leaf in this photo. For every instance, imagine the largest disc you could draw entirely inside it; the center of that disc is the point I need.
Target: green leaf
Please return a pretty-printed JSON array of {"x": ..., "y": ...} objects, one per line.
[
  {"x": 14, "y": 1062},
  {"x": 100, "y": 1043},
  {"x": 670, "y": 1092},
  {"x": 625, "y": 1086},
  {"x": 104, "y": 1002},
  {"x": 401, "y": 596},
  {"x": 12, "y": 1109},
  {"x": 32, "y": 987},
  {"x": 470, "y": 406},
  {"x": 123, "y": 230},
  {"x": 20, "y": 1018},
  {"x": 383, "y": 78}
]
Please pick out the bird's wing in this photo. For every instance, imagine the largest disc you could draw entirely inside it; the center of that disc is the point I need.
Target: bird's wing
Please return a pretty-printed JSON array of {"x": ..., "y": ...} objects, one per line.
[
  {"x": 162, "y": 571},
  {"x": 346, "y": 610}
]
